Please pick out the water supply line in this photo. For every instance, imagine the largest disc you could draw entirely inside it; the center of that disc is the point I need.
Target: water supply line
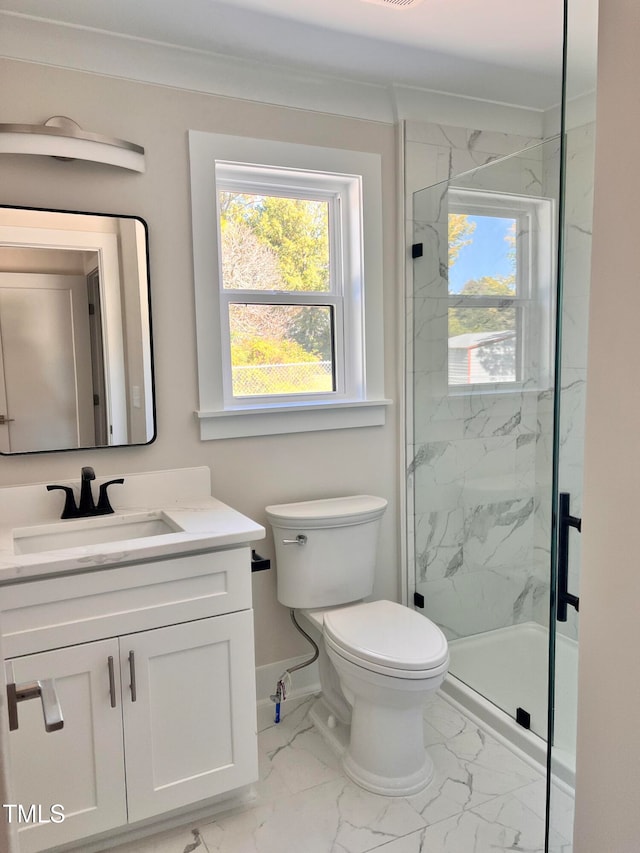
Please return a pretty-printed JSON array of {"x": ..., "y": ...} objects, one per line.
[{"x": 284, "y": 682}]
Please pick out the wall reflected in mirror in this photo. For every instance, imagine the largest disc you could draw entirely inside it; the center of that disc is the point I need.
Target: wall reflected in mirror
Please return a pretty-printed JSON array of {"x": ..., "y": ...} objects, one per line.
[{"x": 76, "y": 364}]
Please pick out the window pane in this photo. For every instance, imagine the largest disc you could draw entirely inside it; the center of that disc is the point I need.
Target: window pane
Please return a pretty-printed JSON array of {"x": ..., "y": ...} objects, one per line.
[
  {"x": 482, "y": 345},
  {"x": 482, "y": 255},
  {"x": 274, "y": 243},
  {"x": 281, "y": 349}
]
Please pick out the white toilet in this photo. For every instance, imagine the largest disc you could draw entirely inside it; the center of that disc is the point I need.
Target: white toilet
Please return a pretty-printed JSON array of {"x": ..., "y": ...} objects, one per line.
[{"x": 379, "y": 661}]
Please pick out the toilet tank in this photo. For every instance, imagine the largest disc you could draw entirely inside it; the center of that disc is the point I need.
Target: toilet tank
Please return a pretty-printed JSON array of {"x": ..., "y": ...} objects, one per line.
[{"x": 326, "y": 549}]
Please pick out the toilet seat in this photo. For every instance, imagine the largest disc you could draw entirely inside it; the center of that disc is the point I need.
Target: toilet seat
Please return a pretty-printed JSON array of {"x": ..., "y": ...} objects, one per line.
[{"x": 387, "y": 638}]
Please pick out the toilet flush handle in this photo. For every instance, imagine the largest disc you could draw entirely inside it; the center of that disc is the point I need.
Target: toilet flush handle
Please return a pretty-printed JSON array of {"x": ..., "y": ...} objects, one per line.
[{"x": 300, "y": 539}]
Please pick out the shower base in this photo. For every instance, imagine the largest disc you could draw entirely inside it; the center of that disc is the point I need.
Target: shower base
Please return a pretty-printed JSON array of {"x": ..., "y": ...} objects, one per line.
[{"x": 495, "y": 673}]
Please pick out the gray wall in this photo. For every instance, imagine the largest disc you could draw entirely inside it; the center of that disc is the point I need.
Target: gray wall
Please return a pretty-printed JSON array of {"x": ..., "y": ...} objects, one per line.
[
  {"x": 607, "y": 814},
  {"x": 248, "y": 473}
]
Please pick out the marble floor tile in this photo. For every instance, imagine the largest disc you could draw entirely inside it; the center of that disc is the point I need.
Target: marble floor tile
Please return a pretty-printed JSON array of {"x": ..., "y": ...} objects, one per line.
[
  {"x": 175, "y": 841},
  {"x": 471, "y": 767},
  {"x": 560, "y": 846},
  {"x": 293, "y": 755},
  {"x": 302, "y": 762},
  {"x": 562, "y": 814},
  {"x": 444, "y": 719},
  {"x": 483, "y": 799},
  {"x": 534, "y": 796},
  {"x": 293, "y": 712},
  {"x": 501, "y": 824},
  {"x": 335, "y": 816},
  {"x": 562, "y": 811}
]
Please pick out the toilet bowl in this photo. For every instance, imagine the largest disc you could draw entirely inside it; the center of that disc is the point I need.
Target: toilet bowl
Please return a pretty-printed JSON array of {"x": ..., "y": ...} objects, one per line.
[
  {"x": 379, "y": 661},
  {"x": 388, "y": 660}
]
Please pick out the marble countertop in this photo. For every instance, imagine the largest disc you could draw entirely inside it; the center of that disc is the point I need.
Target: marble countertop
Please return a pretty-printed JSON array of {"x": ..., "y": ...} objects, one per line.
[{"x": 201, "y": 523}]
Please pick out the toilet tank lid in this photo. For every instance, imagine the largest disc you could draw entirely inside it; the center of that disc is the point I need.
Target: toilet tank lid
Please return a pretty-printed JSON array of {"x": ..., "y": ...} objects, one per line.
[{"x": 327, "y": 512}]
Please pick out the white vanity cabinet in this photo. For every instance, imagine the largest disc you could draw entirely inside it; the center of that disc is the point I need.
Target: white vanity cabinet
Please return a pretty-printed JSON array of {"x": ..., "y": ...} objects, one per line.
[
  {"x": 190, "y": 733},
  {"x": 81, "y": 766},
  {"x": 154, "y": 670}
]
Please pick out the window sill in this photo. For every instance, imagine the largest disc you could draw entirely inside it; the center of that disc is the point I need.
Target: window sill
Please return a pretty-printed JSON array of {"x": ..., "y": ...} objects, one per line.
[
  {"x": 494, "y": 391},
  {"x": 289, "y": 417}
]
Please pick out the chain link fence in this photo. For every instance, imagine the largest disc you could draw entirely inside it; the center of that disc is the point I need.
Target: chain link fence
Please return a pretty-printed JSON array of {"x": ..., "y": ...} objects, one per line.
[{"x": 298, "y": 378}]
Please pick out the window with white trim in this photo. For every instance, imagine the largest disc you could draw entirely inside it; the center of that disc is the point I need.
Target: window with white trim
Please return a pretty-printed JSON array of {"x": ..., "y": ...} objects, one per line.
[
  {"x": 284, "y": 258},
  {"x": 500, "y": 294},
  {"x": 288, "y": 275}
]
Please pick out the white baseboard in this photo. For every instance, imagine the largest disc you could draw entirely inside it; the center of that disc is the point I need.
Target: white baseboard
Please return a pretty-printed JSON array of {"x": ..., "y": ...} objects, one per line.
[{"x": 303, "y": 682}]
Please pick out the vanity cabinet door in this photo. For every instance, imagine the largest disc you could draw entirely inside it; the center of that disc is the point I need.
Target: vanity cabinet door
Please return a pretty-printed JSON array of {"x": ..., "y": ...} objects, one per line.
[
  {"x": 189, "y": 712},
  {"x": 79, "y": 767}
]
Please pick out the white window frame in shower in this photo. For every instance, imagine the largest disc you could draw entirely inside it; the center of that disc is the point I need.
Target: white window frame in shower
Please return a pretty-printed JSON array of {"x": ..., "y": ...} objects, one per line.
[
  {"x": 353, "y": 180},
  {"x": 535, "y": 266}
]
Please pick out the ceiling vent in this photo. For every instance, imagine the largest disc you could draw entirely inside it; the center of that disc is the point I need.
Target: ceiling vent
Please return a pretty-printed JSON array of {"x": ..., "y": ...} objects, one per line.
[{"x": 396, "y": 4}]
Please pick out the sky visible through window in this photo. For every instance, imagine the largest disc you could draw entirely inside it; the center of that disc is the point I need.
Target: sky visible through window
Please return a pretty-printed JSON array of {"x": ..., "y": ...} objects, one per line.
[{"x": 486, "y": 255}]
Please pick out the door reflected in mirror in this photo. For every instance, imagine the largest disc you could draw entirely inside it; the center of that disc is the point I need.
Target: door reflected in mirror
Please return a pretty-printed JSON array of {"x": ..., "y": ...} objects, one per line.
[{"x": 76, "y": 363}]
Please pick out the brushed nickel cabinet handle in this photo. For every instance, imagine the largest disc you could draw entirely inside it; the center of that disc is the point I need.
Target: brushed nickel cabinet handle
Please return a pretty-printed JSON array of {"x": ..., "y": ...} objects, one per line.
[
  {"x": 112, "y": 681},
  {"x": 45, "y": 690},
  {"x": 132, "y": 670}
]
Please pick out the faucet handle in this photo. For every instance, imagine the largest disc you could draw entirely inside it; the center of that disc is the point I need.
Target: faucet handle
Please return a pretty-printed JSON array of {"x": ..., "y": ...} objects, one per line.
[
  {"x": 88, "y": 473},
  {"x": 104, "y": 506},
  {"x": 70, "y": 509}
]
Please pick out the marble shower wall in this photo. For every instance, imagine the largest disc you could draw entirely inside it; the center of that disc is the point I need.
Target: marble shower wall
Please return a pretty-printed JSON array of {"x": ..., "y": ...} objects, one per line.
[{"x": 474, "y": 468}]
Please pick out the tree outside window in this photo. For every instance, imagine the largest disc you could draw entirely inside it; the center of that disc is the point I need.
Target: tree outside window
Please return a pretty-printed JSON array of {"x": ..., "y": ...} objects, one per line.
[
  {"x": 498, "y": 270},
  {"x": 277, "y": 245}
]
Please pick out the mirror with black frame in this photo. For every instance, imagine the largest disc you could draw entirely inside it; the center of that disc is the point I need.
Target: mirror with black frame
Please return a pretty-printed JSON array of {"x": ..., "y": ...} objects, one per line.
[{"x": 76, "y": 362}]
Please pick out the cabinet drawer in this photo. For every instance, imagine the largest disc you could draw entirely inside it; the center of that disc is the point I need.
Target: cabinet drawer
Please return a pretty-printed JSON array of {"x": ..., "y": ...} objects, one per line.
[{"x": 63, "y": 611}]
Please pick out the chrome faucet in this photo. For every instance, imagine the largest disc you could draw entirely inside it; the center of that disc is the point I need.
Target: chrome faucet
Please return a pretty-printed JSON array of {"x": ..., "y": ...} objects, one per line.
[{"x": 87, "y": 507}]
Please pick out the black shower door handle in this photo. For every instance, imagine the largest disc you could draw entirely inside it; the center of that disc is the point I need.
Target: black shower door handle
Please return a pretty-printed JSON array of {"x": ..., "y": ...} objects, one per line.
[{"x": 565, "y": 522}]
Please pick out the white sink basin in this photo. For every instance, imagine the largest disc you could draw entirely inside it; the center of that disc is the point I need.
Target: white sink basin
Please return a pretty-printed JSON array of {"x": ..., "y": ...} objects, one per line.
[{"x": 76, "y": 533}]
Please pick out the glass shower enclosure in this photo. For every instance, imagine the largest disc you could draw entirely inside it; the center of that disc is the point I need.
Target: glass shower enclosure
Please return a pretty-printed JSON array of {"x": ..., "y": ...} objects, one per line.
[
  {"x": 481, "y": 472},
  {"x": 496, "y": 285}
]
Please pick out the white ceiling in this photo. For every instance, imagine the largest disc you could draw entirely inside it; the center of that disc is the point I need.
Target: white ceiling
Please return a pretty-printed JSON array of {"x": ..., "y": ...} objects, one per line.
[{"x": 499, "y": 50}]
